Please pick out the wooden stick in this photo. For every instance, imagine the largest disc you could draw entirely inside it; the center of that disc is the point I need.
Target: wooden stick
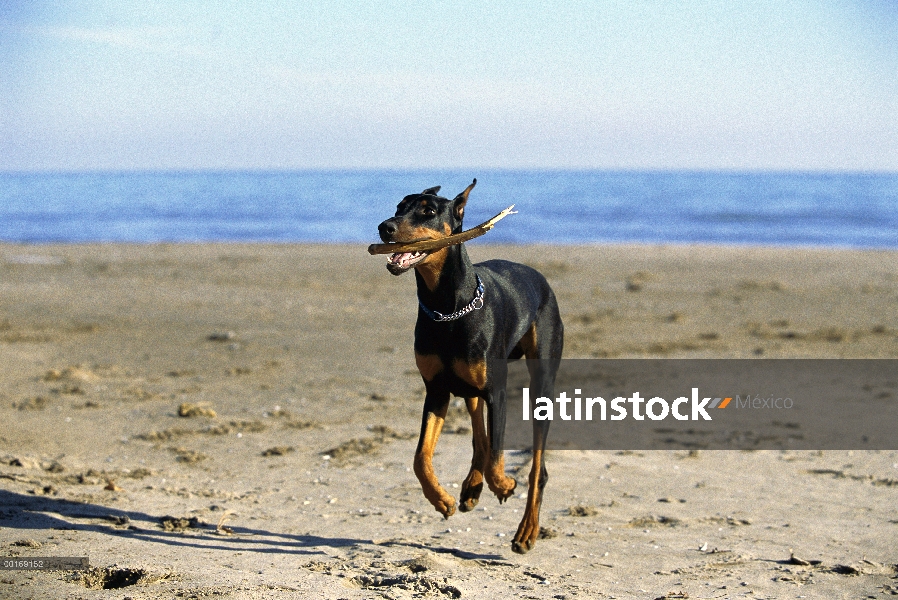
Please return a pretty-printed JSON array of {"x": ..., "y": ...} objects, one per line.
[{"x": 436, "y": 244}]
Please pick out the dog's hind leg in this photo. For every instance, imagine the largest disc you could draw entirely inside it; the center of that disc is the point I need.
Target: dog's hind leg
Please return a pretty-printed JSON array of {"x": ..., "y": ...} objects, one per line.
[
  {"x": 473, "y": 484},
  {"x": 542, "y": 347},
  {"x": 528, "y": 530},
  {"x": 436, "y": 403}
]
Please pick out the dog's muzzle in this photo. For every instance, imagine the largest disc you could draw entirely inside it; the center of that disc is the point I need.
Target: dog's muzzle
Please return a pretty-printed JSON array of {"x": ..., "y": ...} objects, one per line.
[{"x": 399, "y": 262}]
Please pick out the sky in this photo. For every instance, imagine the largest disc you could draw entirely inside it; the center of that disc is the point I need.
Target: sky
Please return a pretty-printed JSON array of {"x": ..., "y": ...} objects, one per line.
[{"x": 418, "y": 84}]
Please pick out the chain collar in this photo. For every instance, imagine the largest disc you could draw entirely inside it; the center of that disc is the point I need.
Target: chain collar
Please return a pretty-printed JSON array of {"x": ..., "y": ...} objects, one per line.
[{"x": 475, "y": 304}]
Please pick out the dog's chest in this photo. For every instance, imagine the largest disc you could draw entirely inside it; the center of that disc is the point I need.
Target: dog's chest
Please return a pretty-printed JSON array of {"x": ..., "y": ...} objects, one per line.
[{"x": 455, "y": 361}]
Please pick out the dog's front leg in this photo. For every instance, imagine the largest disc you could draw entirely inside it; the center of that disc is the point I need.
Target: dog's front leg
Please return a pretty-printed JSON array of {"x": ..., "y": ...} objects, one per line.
[
  {"x": 436, "y": 403},
  {"x": 498, "y": 482}
]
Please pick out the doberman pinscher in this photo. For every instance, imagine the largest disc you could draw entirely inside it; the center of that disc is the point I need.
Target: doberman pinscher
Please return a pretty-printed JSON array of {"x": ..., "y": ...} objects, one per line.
[{"x": 468, "y": 316}]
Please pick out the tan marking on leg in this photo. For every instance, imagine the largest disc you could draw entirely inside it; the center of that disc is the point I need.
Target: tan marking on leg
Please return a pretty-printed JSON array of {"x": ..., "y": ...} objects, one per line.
[
  {"x": 430, "y": 485},
  {"x": 473, "y": 373},
  {"x": 473, "y": 484},
  {"x": 528, "y": 530},
  {"x": 429, "y": 365},
  {"x": 528, "y": 342}
]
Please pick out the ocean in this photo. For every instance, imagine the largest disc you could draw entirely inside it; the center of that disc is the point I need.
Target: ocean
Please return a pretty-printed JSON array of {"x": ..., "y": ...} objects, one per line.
[{"x": 779, "y": 209}]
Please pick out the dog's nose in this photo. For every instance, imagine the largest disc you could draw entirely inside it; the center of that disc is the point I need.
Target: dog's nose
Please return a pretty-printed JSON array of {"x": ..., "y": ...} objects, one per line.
[{"x": 387, "y": 230}]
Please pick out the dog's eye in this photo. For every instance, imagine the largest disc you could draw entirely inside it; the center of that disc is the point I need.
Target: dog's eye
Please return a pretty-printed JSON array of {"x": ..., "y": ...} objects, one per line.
[{"x": 426, "y": 211}]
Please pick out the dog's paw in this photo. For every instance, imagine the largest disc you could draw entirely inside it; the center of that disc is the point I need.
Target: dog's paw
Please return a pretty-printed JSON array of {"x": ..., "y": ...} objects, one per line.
[
  {"x": 442, "y": 502},
  {"x": 525, "y": 539},
  {"x": 467, "y": 505},
  {"x": 470, "y": 495},
  {"x": 445, "y": 506},
  {"x": 504, "y": 489}
]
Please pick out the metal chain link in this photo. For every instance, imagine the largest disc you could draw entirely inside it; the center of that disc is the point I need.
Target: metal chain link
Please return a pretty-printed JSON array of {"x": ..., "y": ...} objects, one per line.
[{"x": 475, "y": 304}]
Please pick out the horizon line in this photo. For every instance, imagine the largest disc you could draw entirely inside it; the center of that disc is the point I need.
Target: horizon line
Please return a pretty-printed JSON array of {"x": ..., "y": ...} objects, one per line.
[{"x": 412, "y": 170}]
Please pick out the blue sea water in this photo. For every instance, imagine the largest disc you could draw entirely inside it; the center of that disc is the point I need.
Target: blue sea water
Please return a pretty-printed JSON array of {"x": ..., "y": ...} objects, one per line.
[{"x": 783, "y": 209}]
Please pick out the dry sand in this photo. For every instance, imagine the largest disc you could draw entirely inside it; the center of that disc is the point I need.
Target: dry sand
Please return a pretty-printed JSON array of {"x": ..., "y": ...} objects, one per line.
[{"x": 238, "y": 421}]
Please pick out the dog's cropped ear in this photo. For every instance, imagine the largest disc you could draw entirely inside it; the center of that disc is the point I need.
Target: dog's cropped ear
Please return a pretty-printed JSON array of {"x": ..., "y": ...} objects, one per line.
[
  {"x": 431, "y": 191},
  {"x": 458, "y": 205}
]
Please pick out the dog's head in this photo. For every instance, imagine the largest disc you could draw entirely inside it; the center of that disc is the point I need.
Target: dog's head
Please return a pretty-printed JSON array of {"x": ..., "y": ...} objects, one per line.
[{"x": 424, "y": 216}]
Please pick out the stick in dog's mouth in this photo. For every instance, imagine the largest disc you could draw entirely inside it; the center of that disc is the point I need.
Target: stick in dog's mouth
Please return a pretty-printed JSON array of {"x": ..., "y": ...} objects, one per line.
[{"x": 406, "y": 252}]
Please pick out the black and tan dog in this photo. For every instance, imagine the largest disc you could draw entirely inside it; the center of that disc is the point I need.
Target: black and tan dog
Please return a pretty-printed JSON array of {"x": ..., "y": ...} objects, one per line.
[{"x": 468, "y": 316}]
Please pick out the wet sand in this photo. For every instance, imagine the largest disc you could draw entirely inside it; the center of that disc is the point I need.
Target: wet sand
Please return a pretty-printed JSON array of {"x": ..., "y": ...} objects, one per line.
[{"x": 238, "y": 421}]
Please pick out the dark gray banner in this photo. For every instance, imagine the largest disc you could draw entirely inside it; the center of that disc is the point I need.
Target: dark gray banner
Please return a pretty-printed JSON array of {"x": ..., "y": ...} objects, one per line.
[{"x": 763, "y": 404}]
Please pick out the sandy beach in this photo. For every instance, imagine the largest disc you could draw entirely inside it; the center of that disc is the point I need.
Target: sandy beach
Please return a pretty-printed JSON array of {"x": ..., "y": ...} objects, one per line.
[{"x": 238, "y": 421}]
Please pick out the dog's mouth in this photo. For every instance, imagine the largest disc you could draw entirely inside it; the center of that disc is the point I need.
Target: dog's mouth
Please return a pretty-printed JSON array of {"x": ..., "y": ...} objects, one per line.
[{"x": 400, "y": 262}]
